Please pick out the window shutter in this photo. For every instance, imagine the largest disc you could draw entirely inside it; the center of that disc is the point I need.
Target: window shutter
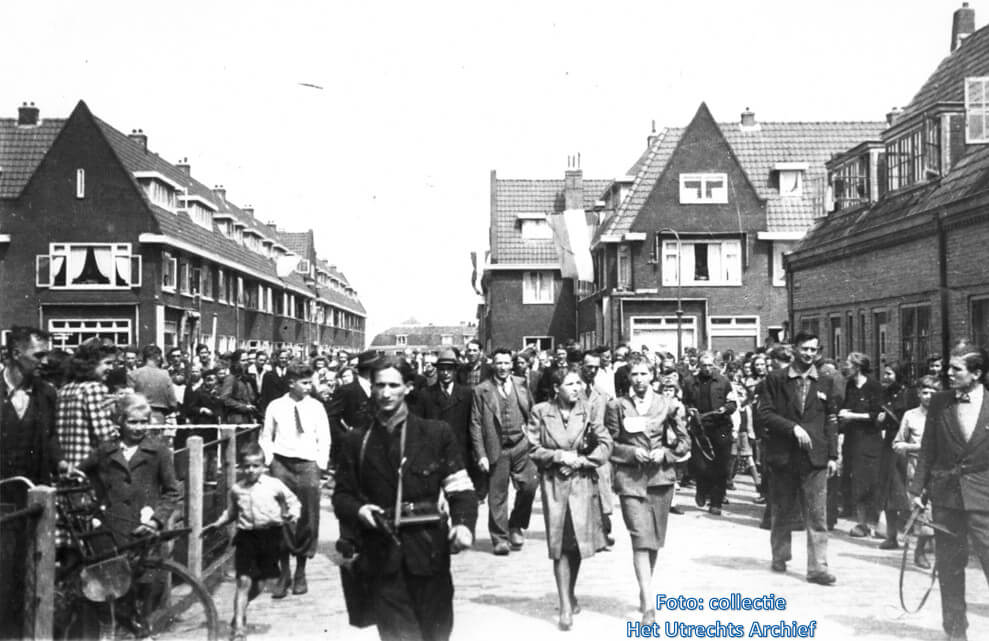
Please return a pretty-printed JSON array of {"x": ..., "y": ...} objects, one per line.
[
  {"x": 135, "y": 270},
  {"x": 43, "y": 275}
]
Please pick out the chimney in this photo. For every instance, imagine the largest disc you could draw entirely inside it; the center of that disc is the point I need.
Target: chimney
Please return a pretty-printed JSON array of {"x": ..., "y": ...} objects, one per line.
[
  {"x": 220, "y": 192},
  {"x": 748, "y": 119},
  {"x": 27, "y": 115},
  {"x": 271, "y": 225},
  {"x": 184, "y": 166},
  {"x": 138, "y": 136},
  {"x": 249, "y": 210},
  {"x": 573, "y": 185},
  {"x": 962, "y": 25},
  {"x": 651, "y": 138},
  {"x": 893, "y": 116}
]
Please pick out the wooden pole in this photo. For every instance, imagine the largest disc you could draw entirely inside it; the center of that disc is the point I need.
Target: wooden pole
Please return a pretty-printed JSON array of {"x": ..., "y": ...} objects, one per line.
[
  {"x": 194, "y": 504},
  {"x": 39, "y": 593}
]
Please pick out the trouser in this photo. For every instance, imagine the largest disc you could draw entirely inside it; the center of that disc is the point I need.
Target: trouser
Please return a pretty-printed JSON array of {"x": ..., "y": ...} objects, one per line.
[
  {"x": 713, "y": 480},
  {"x": 951, "y": 554},
  {"x": 414, "y": 608},
  {"x": 514, "y": 464},
  {"x": 302, "y": 477},
  {"x": 786, "y": 488}
]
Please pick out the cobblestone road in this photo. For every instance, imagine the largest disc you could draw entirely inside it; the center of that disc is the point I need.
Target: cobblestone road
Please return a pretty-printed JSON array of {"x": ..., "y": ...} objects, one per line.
[{"x": 514, "y": 598}]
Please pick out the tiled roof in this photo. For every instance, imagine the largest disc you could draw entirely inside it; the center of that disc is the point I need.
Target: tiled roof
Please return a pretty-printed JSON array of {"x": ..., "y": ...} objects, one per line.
[
  {"x": 906, "y": 206},
  {"x": 333, "y": 271},
  {"x": 21, "y": 150},
  {"x": 300, "y": 243},
  {"x": 514, "y": 197},
  {"x": 758, "y": 151},
  {"x": 947, "y": 83},
  {"x": 135, "y": 157},
  {"x": 419, "y": 335}
]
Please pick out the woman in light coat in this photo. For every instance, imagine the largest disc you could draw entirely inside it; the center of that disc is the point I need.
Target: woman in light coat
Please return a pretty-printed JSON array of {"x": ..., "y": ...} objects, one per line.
[
  {"x": 649, "y": 434},
  {"x": 569, "y": 443}
]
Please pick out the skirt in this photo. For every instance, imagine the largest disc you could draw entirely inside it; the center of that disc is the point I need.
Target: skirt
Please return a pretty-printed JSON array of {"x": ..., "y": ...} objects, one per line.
[
  {"x": 646, "y": 517},
  {"x": 256, "y": 553}
]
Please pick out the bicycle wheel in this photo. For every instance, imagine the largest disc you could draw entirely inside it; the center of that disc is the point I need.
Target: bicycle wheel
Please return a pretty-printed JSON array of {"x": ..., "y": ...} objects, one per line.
[{"x": 179, "y": 605}]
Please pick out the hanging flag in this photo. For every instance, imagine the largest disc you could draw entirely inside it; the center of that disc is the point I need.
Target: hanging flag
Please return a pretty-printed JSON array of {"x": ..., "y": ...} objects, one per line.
[
  {"x": 473, "y": 275},
  {"x": 573, "y": 242},
  {"x": 285, "y": 265}
]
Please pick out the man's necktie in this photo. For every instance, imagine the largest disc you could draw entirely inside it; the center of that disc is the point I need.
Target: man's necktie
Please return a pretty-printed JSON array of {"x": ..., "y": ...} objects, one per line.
[
  {"x": 963, "y": 397},
  {"x": 298, "y": 420}
]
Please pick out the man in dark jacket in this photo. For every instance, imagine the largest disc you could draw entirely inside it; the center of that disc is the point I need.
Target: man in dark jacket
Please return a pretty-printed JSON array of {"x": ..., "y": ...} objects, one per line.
[
  {"x": 450, "y": 402},
  {"x": 273, "y": 383},
  {"x": 350, "y": 406},
  {"x": 953, "y": 471},
  {"x": 408, "y": 563},
  {"x": 475, "y": 370},
  {"x": 707, "y": 394},
  {"x": 799, "y": 413}
]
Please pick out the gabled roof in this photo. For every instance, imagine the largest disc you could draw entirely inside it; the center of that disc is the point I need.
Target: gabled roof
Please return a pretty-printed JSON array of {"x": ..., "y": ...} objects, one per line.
[
  {"x": 947, "y": 83},
  {"x": 513, "y": 197},
  {"x": 21, "y": 151},
  {"x": 423, "y": 335},
  {"x": 300, "y": 243},
  {"x": 758, "y": 150}
]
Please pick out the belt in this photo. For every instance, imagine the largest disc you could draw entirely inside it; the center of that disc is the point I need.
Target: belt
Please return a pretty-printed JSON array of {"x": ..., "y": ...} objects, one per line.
[{"x": 960, "y": 470}]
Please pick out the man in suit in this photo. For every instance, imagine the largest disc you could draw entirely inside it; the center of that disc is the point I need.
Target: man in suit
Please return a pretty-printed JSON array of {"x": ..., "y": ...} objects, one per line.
[
  {"x": 475, "y": 370},
  {"x": 273, "y": 383},
  {"x": 350, "y": 406},
  {"x": 410, "y": 582},
  {"x": 500, "y": 410},
  {"x": 707, "y": 393},
  {"x": 953, "y": 471},
  {"x": 450, "y": 402},
  {"x": 799, "y": 414}
]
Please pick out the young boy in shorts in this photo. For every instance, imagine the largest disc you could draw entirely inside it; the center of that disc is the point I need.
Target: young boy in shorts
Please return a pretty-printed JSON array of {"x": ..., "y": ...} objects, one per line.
[{"x": 260, "y": 504}]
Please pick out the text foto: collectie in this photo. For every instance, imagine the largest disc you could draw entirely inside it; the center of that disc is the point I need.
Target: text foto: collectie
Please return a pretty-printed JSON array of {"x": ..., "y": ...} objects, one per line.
[{"x": 734, "y": 601}]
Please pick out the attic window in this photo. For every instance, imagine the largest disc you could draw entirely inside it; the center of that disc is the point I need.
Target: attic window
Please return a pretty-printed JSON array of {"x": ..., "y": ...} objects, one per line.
[
  {"x": 791, "y": 181},
  {"x": 703, "y": 189},
  {"x": 977, "y": 110},
  {"x": 401, "y": 339},
  {"x": 534, "y": 229}
]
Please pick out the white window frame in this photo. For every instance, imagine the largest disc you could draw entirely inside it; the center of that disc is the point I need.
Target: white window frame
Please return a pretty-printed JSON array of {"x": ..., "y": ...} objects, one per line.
[
  {"x": 80, "y": 183},
  {"x": 401, "y": 339},
  {"x": 44, "y": 276},
  {"x": 529, "y": 340},
  {"x": 735, "y": 327},
  {"x": 206, "y": 278},
  {"x": 62, "y": 328},
  {"x": 689, "y": 326},
  {"x": 975, "y": 111},
  {"x": 780, "y": 248},
  {"x": 689, "y": 196},
  {"x": 169, "y": 263},
  {"x": 538, "y": 288},
  {"x": 623, "y": 267},
  {"x": 728, "y": 275},
  {"x": 784, "y": 174},
  {"x": 536, "y": 229},
  {"x": 446, "y": 339}
]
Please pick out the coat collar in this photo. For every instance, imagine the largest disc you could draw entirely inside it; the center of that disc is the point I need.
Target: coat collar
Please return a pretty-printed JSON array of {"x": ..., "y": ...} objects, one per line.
[{"x": 566, "y": 433}]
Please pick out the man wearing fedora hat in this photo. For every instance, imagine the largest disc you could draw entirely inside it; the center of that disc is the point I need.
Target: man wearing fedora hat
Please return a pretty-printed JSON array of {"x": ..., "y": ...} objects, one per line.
[
  {"x": 349, "y": 408},
  {"x": 449, "y": 401}
]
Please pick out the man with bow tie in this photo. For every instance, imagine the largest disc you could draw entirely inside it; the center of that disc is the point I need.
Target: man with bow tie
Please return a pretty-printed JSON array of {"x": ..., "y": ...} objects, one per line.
[
  {"x": 953, "y": 472},
  {"x": 799, "y": 412}
]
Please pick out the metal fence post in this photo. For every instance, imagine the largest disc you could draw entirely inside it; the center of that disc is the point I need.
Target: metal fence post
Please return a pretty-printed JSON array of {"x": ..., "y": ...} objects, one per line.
[
  {"x": 194, "y": 504},
  {"x": 230, "y": 456},
  {"x": 39, "y": 592}
]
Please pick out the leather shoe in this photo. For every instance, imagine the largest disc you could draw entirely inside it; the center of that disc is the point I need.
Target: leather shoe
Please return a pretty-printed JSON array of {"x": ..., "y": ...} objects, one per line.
[
  {"x": 700, "y": 498},
  {"x": 779, "y": 566},
  {"x": 676, "y": 510},
  {"x": 715, "y": 511},
  {"x": 921, "y": 561},
  {"x": 889, "y": 544},
  {"x": 859, "y": 532},
  {"x": 500, "y": 549},
  {"x": 515, "y": 538},
  {"x": 822, "y": 578},
  {"x": 299, "y": 585},
  {"x": 566, "y": 621},
  {"x": 281, "y": 589},
  {"x": 609, "y": 540}
]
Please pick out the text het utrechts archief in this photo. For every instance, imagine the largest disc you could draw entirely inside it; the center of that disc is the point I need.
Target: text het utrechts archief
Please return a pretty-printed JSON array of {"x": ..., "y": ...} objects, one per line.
[{"x": 767, "y": 627}]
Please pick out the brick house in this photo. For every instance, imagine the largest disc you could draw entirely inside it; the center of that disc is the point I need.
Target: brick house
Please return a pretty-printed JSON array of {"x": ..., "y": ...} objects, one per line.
[
  {"x": 895, "y": 269},
  {"x": 526, "y": 299},
  {"x": 101, "y": 237},
  {"x": 710, "y": 211},
  {"x": 423, "y": 337}
]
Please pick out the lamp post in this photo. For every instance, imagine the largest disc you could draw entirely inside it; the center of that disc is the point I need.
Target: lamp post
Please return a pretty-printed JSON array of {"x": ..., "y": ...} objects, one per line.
[{"x": 679, "y": 309}]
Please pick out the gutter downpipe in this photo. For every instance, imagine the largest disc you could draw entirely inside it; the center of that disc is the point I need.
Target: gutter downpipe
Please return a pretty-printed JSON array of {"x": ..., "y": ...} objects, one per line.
[{"x": 944, "y": 294}]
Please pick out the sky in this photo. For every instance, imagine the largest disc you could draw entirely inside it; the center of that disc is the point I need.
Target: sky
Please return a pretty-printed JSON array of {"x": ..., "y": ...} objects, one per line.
[{"x": 388, "y": 158}]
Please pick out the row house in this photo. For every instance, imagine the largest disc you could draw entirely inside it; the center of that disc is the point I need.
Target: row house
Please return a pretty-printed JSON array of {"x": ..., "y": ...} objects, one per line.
[
  {"x": 413, "y": 336},
  {"x": 101, "y": 237},
  {"x": 527, "y": 301},
  {"x": 689, "y": 250},
  {"x": 894, "y": 270}
]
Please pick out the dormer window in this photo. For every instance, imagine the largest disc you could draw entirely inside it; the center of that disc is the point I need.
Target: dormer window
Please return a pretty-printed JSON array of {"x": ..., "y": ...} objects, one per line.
[
  {"x": 199, "y": 210},
  {"x": 791, "y": 177},
  {"x": 535, "y": 227},
  {"x": 303, "y": 267},
  {"x": 977, "y": 110},
  {"x": 160, "y": 190},
  {"x": 401, "y": 339},
  {"x": 703, "y": 189}
]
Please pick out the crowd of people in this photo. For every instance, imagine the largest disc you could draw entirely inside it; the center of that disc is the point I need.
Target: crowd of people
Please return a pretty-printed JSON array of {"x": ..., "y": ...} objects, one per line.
[{"x": 589, "y": 429}]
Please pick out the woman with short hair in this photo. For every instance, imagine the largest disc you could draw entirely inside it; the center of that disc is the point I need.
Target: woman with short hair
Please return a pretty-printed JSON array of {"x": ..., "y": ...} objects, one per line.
[{"x": 864, "y": 442}]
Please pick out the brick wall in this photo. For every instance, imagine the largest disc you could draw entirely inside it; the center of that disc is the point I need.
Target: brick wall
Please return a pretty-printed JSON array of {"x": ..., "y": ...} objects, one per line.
[{"x": 510, "y": 319}]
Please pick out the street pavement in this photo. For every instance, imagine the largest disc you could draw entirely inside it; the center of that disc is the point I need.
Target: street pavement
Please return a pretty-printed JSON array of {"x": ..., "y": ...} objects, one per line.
[{"x": 514, "y": 598}]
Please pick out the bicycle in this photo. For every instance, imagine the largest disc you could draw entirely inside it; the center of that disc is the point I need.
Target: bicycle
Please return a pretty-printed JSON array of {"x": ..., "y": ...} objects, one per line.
[{"x": 159, "y": 596}]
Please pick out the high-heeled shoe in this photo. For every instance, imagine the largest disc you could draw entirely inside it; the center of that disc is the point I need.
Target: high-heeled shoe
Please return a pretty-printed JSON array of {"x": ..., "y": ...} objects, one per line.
[{"x": 566, "y": 621}]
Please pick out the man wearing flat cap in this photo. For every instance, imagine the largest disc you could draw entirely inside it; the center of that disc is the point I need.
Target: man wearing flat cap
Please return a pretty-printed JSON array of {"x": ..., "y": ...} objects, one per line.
[
  {"x": 449, "y": 401},
  {"x": 349, "y": 408}
]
